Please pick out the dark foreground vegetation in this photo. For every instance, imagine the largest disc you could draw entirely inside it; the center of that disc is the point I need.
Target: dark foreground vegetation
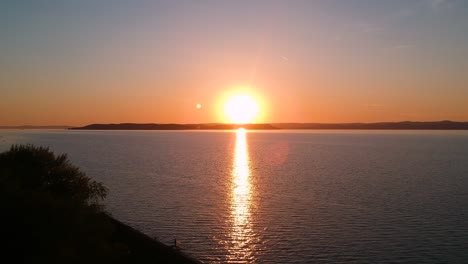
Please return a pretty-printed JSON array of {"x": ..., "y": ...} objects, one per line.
[{"x": 52, "y": 213}]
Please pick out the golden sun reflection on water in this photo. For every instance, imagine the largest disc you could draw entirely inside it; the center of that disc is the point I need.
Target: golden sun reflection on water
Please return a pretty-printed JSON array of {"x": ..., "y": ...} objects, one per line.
[{"x": 241, "y": 232}]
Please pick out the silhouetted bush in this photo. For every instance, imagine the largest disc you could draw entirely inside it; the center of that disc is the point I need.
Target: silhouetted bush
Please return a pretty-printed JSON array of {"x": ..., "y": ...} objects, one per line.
[{"x": 50, "y": 211}]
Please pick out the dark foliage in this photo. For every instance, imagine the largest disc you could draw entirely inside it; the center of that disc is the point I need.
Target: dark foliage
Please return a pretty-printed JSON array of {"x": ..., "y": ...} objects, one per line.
[
  {"x": 51, "y": 213},
  {"x": 50, "y": 210}
]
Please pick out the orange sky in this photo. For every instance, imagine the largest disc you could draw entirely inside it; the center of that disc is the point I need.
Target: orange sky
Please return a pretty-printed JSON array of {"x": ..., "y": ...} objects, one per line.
[{"x": 324, "y": 61}]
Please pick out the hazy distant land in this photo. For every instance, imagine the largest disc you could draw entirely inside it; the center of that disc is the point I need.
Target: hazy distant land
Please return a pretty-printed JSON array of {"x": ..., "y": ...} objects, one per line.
[
  {"x": 132, "y": 126},
  {"x": 437, "y": 125},
  {"x": 35, "y": 127}
]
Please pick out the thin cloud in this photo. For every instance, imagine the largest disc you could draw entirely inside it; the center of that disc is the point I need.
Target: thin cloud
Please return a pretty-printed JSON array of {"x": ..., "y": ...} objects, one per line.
[
  {"x": 414, "y": 8},
  {"x": 368, "y": 28},
  {"x": 403, "y": 46},
  {"x": 403, "y": 13},
  {"x": 438, "y": 5}
]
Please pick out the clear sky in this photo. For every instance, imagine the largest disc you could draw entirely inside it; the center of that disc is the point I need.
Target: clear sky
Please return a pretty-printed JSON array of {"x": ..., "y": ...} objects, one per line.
[{"x": 80, "y": 62}]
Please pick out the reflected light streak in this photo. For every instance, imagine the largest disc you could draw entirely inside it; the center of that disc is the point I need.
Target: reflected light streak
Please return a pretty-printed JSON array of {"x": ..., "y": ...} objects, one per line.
[{"x": 241, "y": 233}]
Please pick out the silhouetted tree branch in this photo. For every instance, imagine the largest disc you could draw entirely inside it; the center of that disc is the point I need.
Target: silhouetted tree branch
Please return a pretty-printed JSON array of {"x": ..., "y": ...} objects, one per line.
[{"x": 51, "y": 212}]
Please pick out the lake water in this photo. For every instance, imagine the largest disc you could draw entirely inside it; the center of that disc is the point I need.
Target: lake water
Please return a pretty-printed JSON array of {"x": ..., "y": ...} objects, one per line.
[{"x": 282, "y": 196}]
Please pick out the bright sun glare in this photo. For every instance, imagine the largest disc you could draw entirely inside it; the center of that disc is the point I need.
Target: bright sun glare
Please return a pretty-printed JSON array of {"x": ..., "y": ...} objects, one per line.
[{"x": 241, "y": 109}]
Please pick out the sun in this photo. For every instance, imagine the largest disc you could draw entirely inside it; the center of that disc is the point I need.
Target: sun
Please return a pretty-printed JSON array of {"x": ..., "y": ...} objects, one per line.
[{"x": 241, "y": 109}]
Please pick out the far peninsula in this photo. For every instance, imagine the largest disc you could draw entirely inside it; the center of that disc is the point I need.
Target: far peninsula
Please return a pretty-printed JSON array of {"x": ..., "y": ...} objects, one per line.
[{"x": 405, "y": 125}]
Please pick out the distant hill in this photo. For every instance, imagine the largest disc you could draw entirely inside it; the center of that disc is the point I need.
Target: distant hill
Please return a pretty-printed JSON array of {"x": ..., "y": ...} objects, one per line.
[
  {"x": 437, "y": 125},
  {"x": 131, "y": 126}
]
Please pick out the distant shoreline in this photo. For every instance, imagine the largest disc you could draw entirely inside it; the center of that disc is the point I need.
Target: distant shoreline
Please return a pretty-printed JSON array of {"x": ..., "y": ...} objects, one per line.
[
  {"x": 35, "y": 127},
  {"x": 405, "y": 125},
  {"x": 131, "y": 126},
  {"x": 144, "y": 249}
]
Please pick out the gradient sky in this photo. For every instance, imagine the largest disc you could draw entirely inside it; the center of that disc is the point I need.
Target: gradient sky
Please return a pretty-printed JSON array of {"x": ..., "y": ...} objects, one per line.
[{"x": 81, "y": 62}]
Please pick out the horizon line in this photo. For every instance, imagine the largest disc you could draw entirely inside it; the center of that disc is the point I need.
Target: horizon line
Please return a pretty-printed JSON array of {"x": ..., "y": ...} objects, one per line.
[{"x": 224, "y": 123}]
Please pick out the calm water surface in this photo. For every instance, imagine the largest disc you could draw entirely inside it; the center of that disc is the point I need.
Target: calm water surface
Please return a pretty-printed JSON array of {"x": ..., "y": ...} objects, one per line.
[{"x": 283, "y": 196}]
